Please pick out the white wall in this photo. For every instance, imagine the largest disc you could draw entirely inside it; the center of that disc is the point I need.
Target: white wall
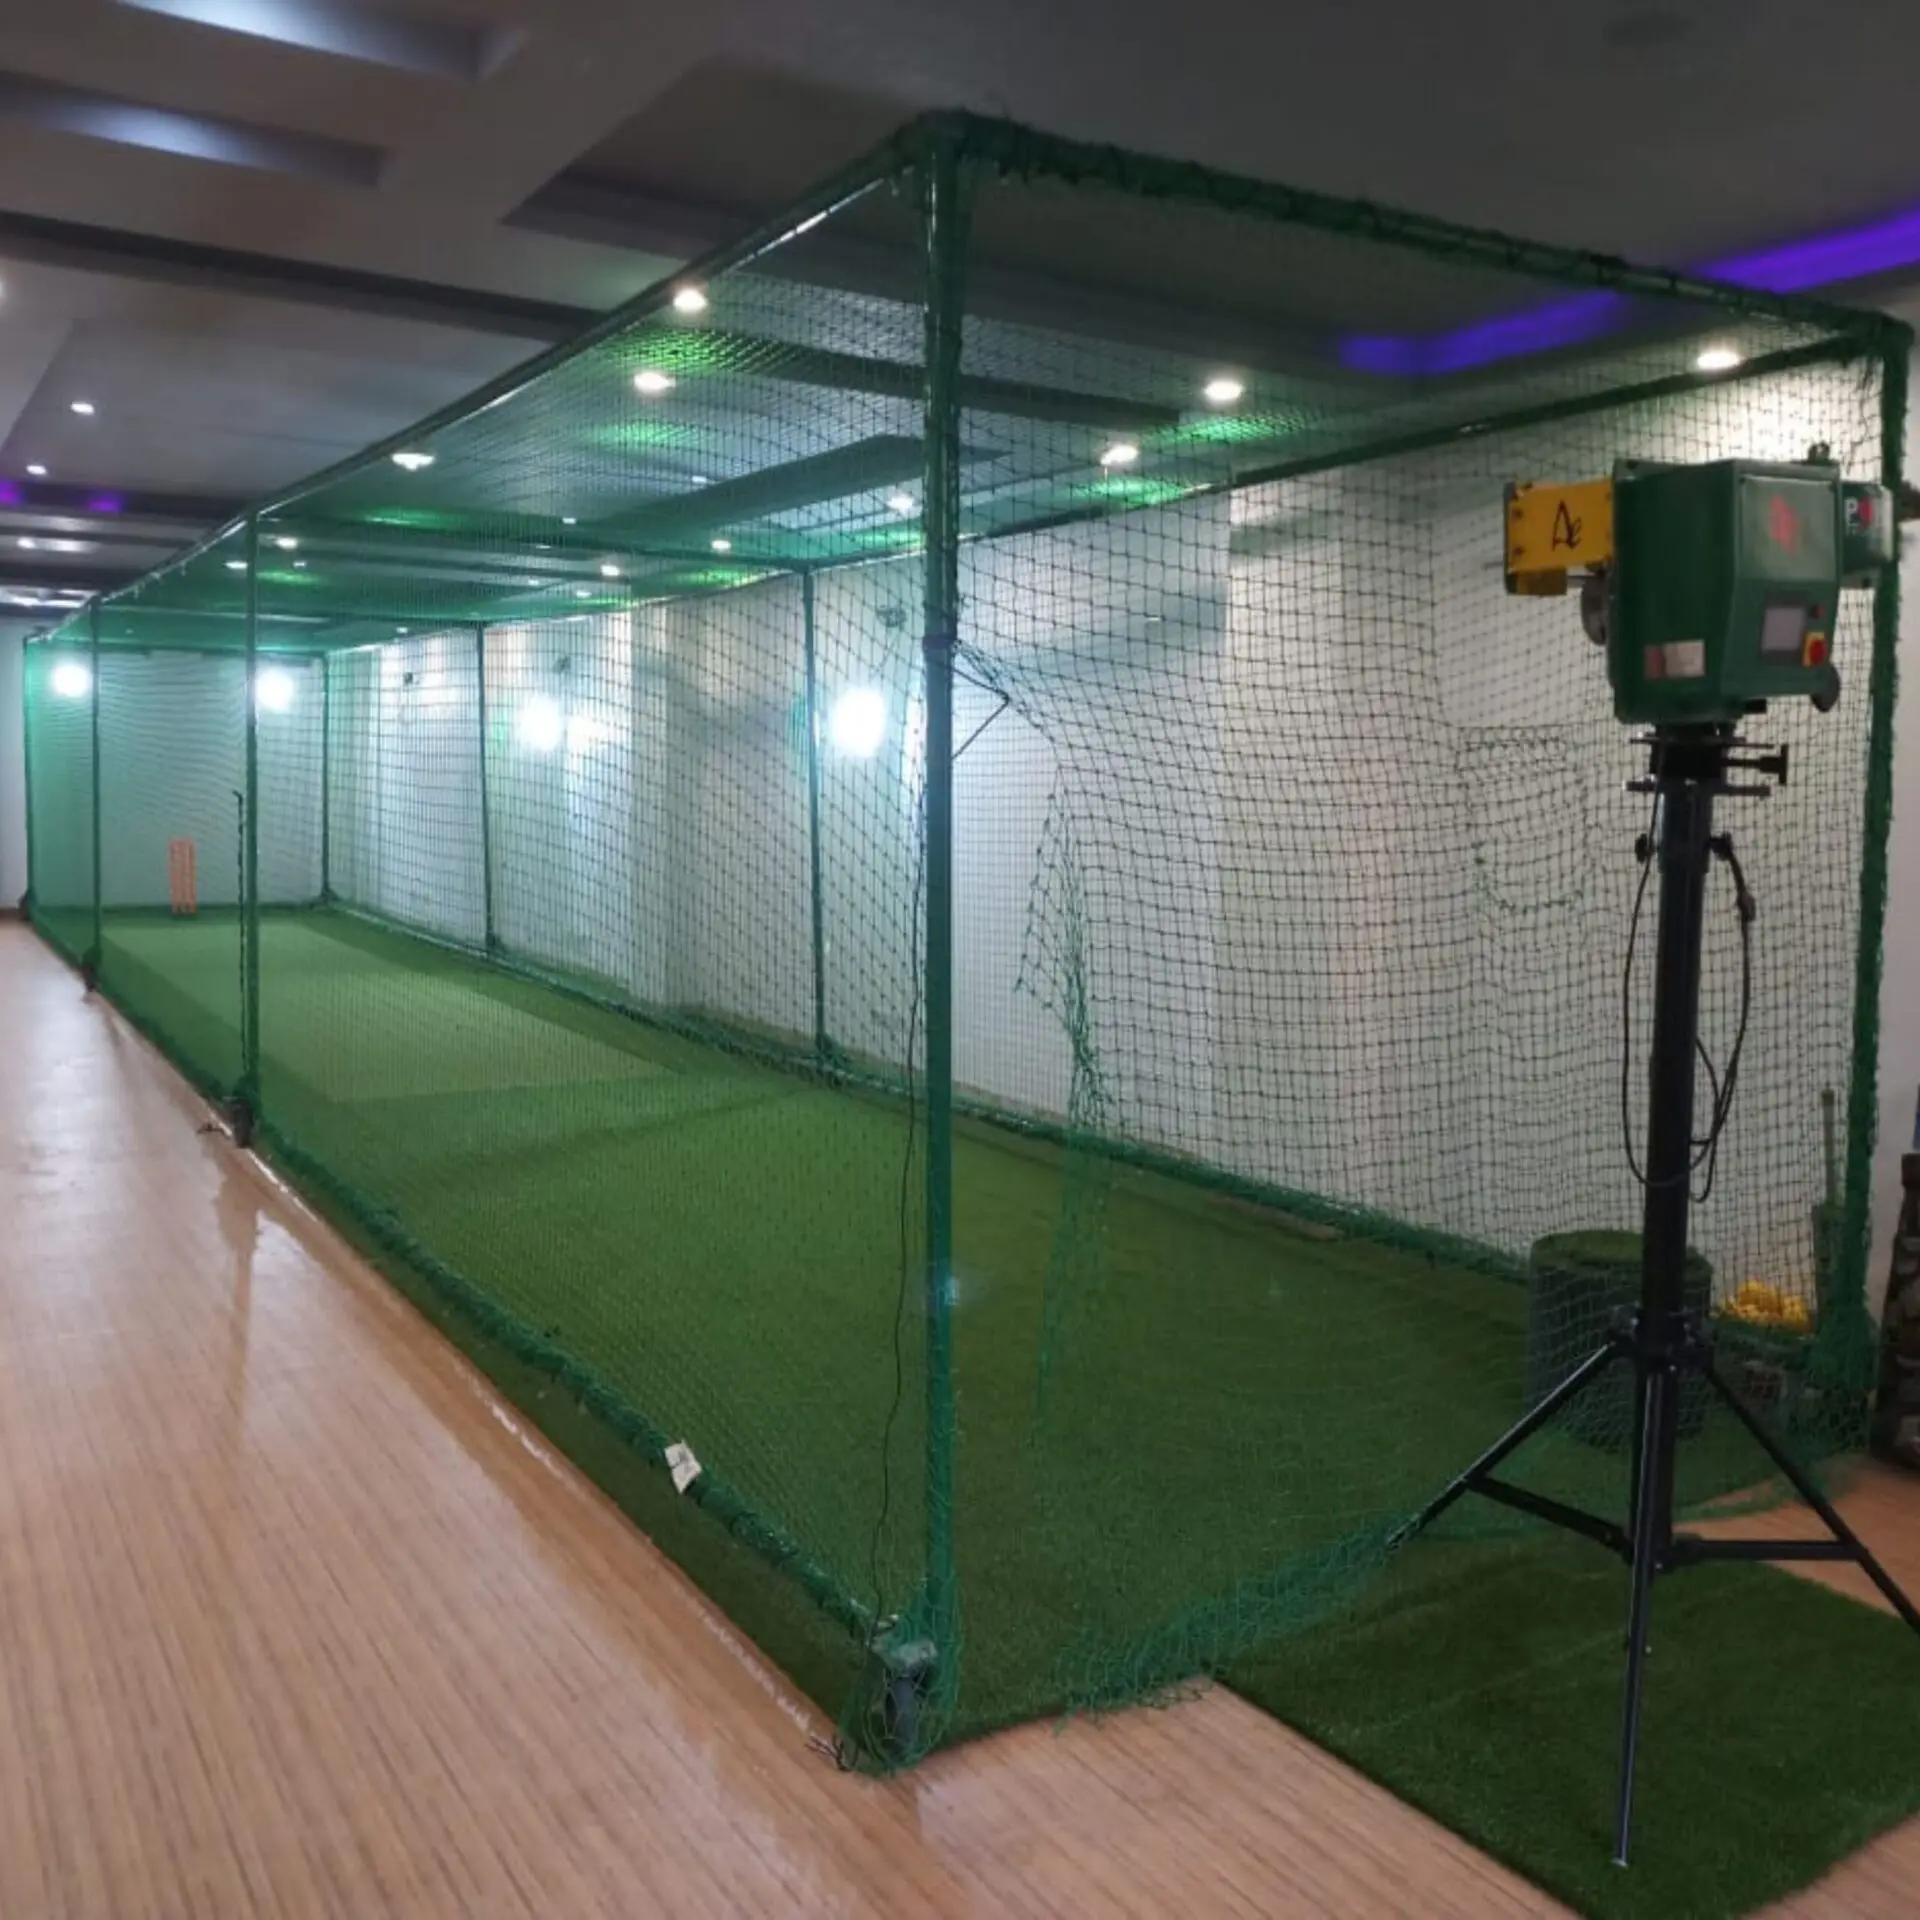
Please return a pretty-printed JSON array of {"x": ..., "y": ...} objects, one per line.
[
  {"x": 1333, "y": 859},
  {"x": 561, "y": 750},
  {"x": 649, "y": 807},
  {"x": 172, "y": 742},
  {"x": 404, "y": 790},
  {"x": 173, "y": 765},
  {"x": 665, "y": 846}
]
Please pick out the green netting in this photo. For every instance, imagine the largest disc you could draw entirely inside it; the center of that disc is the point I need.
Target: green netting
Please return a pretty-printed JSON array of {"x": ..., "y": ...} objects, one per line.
[
  {"x": 60, "y": 792},
  {"x": 940, "y": 873}
]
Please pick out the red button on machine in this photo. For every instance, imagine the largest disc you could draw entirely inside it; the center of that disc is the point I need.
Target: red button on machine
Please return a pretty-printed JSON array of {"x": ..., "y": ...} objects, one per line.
[{"x": 1814, "y": 653}]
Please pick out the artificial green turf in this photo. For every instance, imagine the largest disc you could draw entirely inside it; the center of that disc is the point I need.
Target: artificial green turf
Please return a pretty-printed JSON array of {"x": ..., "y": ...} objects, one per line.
[
  {"x": 1184, "y": 1423},
  {"x": 1481, "y": 1682}
]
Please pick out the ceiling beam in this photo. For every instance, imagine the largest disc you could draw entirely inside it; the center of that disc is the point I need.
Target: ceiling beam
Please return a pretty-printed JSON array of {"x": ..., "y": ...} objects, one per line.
[
  {"x": 63, "y": 578},
  {"x": 191, "y": 263},
  {"x": 118, "y": 505},
  {"x": 92, "y": 533}
]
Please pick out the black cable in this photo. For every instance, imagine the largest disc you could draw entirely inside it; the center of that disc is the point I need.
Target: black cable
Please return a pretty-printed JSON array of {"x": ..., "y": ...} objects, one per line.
[
  {"x": 1706, "y": 1147},
  {"x": 1644, "y": 853},
  {"x": 1713, "y": 1086},
  {"x": 1745, "y": 910}
]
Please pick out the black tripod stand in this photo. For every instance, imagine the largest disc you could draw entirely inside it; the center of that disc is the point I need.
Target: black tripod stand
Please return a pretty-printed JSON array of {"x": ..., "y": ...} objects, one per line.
[{"x": 1664, "y": 1343}]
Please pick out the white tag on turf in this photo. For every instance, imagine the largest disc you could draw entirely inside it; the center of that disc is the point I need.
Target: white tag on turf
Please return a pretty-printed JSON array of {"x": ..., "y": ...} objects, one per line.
[{"x": 682, "y": 1465}]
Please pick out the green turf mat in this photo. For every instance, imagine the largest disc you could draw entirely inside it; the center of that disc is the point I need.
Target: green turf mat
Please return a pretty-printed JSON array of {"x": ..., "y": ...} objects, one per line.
[
  {"x": 1481, "y": 1681},
  {"x": 602, "y": 1182}
]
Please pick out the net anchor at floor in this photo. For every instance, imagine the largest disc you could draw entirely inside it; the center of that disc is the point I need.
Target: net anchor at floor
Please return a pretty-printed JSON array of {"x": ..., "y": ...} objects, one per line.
[
  {"x": 898, "y": 1695},
  {"x": 1664, "y": 1343}
]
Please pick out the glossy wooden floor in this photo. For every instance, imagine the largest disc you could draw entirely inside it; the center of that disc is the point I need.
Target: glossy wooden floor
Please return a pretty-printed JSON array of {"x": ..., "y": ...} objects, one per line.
[{"x": 295, "y": 1618}]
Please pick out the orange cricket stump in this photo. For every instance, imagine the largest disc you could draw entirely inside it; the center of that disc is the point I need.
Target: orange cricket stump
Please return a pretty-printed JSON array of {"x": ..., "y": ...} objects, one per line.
[{"x": 183, "y": 887}]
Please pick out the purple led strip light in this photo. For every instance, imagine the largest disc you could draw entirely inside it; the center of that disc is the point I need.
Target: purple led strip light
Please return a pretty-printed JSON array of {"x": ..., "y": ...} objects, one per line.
[{"x": 1857, "y": 253}]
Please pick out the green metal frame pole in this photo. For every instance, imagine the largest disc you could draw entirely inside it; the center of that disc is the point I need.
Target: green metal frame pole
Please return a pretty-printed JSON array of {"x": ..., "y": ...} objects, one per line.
[
  {"x": 1854, "y": 1322},
  {"x": 98, "y": 950},
  {"x": 946, "y": 239},
  {"x": 326, "y": 779},
  {"x": 490, "y": 939},
  {"x": 30, "y": 707},
  {"x": 821, "y": 1045},
  {"x": 250, "y": 840}
]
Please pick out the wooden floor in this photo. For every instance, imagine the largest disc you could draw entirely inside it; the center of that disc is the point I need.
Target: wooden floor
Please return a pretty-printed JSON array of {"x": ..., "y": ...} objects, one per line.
[{"x": 297, "y": 1618}]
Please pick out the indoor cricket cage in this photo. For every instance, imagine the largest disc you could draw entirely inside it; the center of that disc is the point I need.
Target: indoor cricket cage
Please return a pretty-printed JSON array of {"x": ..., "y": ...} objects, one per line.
[{"x": 928, "y": 891}]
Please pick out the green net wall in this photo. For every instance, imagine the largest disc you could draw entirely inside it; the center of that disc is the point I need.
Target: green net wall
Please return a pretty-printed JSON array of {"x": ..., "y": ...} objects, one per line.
[
  {"x": 934, "y": 885},
  {"x": 60, "y": 796}
]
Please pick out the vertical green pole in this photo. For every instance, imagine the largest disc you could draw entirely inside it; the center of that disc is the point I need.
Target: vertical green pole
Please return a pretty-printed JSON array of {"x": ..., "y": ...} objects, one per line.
[
  {"x": 1863, "y": 1080},
  {"x": 326, "y": 779},
  {"x": 97, "y": 950},
  {"x": 31, "y": 706},
  {"x": 486, "y": 819},
  {"x": 250, "y": 845},
  {"x": 946, "y": 238},
  {"x": 821, "y": 1046}
]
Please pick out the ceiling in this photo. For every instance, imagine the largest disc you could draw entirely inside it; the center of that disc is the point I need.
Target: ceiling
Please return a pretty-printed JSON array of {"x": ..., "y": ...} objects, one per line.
[{"x": 255, "y": 235}]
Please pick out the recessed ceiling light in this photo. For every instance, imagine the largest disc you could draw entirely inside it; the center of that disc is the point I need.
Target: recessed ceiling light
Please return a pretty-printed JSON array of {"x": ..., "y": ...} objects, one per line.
[
  {"x": 1223, "y": 390},
  {"x": 35, "y": 470},
  {"x": 80, "y": 406},
  {"x": 723, "y": 546},
  {"x": 902, "y": 503},
  {"x": 299, "y": 563},
  {"x": 652, "y": 380},
  {"x": 608, "y": 571},
  {"x": 700, "y": 480},
  {"x": 1718, "y": 359},
  {"x": 403, "y": 631},
  {"x": 1123, "y": 453},
  {"x": 236, "y": 566},
  {"x": 569, "y": 519},
  {"x": 285, "y": 542},
  {"x": 28, "y": 544},
  {"x": 690, "y": 300},
  {"x": 583, "y": 593},
  {"x": 412, "y": 462}
]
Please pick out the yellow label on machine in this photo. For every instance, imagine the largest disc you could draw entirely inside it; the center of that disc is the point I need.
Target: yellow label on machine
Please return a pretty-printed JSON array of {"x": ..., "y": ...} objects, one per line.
[{"x": 1553, "y": 531}]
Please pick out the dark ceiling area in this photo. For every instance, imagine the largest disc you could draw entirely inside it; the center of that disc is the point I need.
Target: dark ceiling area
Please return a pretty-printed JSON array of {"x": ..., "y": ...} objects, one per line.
[{"x": 241, "y": 239}]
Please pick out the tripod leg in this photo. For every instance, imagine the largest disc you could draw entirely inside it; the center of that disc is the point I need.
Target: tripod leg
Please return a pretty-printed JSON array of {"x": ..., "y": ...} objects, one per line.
[
  {"x": 1514, "y": 1438},
  {"x": 1639, "y": 1447},
  {"x": 1803, "y": 1485},
  {"x": 1655, "y": 1386}
]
